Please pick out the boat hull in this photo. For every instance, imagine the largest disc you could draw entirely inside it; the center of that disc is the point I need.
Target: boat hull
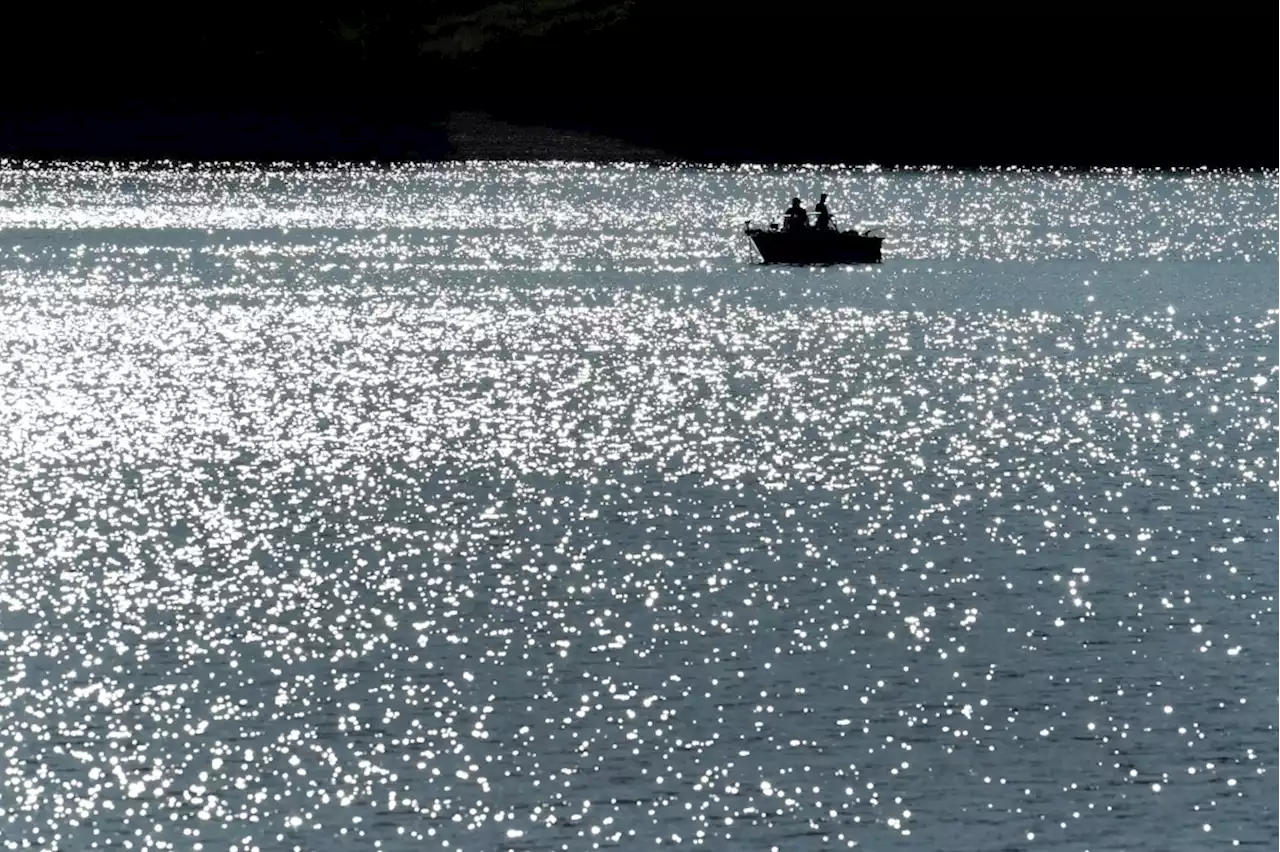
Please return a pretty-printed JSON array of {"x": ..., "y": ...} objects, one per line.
[{"x": 815, "y": 247}]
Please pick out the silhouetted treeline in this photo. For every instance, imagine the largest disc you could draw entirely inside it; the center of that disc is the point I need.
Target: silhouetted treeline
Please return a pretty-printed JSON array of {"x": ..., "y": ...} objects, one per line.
[{"x": 817, "y": 81}]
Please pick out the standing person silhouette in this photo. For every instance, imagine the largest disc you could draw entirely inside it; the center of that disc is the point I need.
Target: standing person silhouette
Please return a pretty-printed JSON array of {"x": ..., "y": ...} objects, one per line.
[{"x": 824, "y": 217}]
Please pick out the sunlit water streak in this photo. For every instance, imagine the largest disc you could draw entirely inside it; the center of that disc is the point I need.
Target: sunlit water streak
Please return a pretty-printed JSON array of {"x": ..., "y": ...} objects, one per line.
[{"x": 512, "y": 507}]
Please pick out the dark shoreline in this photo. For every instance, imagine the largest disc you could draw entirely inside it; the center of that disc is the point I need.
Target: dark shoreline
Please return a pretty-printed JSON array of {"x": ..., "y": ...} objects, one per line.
[{"x": 1084, "y": 86}]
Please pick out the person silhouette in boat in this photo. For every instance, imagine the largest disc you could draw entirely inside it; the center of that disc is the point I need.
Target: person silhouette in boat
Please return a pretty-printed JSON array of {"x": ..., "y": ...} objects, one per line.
[
  {"x": 796, "y": 218},
  {"x": 823, "y": 222}
]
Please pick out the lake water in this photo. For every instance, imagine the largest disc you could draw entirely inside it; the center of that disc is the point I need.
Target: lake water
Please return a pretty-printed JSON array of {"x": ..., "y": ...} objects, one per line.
[{"x": 487, "y": 507}]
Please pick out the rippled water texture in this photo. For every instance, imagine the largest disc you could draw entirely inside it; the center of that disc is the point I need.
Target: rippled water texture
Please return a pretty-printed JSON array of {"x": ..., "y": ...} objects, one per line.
[{"x": 515, "y": 507}]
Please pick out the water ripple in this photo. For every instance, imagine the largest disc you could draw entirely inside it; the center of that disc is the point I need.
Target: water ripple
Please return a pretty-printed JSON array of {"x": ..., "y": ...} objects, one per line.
[{"x": 326, "y": 540}]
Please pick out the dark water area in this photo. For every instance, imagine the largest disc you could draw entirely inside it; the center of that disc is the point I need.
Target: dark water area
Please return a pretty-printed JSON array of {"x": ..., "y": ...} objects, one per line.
[
  {"x": 149, "y": 133},
  {"x": 721, "y": 131},
  {"x": 641, "y": 130}
]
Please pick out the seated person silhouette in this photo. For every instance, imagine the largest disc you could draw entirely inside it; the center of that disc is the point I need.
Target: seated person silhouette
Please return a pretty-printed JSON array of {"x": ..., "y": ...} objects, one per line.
[{"x": 796, "y": 218}]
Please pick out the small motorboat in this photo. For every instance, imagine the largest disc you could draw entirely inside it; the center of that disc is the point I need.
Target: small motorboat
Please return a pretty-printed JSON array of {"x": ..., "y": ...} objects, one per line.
[{"x": 812, "y": 246}]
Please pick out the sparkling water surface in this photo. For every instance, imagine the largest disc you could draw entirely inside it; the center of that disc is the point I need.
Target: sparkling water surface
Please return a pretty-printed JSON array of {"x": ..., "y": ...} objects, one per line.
[{"x": 488, "y": 507}]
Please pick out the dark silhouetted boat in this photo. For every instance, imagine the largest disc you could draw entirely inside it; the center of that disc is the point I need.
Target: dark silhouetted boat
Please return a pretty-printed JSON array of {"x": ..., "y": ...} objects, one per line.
[{"x": 810, "y": 246}]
